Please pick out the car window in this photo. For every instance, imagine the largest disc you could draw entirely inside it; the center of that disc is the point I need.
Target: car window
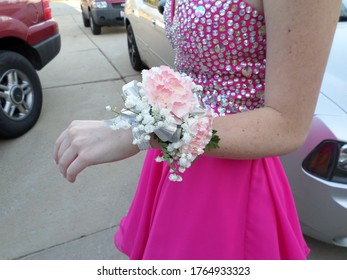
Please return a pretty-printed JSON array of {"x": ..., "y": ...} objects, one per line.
[{"x": 343, "y": 15}]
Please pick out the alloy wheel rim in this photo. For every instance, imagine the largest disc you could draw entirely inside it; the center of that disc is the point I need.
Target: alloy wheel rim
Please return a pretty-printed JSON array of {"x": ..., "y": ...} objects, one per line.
[
  {"x": 131, "y": 48},
  {"x": 16, "y": 95}
]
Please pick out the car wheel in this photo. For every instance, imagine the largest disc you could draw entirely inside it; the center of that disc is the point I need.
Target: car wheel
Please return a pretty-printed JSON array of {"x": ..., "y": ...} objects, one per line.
[
  {"x": 85, "y": 19},
  {"x": 134, "y": 54},
  {"x": 96, "y": 28},
  {"x": 20, "y": 95}
]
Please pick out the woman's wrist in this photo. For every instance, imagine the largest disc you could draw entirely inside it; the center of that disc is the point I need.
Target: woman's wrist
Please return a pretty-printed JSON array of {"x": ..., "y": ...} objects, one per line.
[{"x": 154, "y": 142}]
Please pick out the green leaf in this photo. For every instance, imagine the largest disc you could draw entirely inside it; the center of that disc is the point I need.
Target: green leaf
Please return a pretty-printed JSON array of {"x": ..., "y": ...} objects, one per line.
[{"x": 213, "y": 144}]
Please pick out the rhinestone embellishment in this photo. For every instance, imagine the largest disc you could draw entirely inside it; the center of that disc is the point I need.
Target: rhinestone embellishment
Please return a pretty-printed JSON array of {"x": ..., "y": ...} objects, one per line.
[
  {"x": 247, "y": 71},
  {"x": 221, "y": 44},
  {"x": 200, "y": 11}
]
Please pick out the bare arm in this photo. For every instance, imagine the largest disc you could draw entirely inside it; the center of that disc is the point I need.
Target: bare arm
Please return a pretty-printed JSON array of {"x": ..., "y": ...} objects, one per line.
[{"x": 299, "y": 37}]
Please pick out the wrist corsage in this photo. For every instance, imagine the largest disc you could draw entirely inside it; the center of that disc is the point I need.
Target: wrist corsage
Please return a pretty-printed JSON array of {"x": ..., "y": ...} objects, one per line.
[{"x": 165, "y": 105}]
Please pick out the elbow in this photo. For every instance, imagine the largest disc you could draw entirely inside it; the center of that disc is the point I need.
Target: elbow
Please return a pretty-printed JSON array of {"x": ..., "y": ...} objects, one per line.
[
  {"x": 293, "y": 141},
  {"x": 292, "y": 131}
]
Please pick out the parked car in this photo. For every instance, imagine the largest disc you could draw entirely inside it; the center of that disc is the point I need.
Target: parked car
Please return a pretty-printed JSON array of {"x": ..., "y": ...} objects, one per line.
[
  {"x": 318, "y": 170},
  {"x": 29, "y": 39},
  {"x": 147, "y": 42},
  {"x": 98, "y": 13}
]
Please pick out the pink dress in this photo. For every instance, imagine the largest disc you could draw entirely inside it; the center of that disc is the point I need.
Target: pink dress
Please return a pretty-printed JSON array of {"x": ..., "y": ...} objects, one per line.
[{"x": 223, "y": 209}]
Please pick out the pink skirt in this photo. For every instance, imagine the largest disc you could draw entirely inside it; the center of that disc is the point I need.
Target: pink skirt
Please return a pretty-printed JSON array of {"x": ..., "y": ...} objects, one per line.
[{"x": 223, "y": 209}]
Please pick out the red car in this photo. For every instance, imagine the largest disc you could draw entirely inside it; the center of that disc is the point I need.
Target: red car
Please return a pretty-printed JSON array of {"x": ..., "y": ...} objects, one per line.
[{"x": 29, "y": 39}]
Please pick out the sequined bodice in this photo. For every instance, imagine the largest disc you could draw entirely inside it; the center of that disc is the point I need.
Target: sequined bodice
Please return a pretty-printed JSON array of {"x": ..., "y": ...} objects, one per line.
[{"x": 221, "y": 45}]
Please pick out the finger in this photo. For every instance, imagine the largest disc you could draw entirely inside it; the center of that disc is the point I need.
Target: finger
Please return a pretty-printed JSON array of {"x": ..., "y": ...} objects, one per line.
[
  {"x": 66, "y": 158},
  {"x": 75, "y": 168},
  {"x": 57, "y": 145},
  {"x": 64, "y": 146}
]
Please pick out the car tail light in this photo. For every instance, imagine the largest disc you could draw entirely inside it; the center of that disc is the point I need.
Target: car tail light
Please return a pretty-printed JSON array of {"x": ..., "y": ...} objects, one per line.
[
  {"x": 328, "y": 161},
  {"x": 47, "y": 11}
]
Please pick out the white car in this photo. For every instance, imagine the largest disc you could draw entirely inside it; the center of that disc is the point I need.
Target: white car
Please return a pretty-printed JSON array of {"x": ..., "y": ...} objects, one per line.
[
  {"x": 318, "y": 170},
  {"x": 147, "y": 42}
]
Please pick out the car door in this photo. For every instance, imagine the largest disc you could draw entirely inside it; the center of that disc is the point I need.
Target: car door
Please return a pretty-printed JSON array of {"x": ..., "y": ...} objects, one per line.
[{"x": 153, "y": 35}]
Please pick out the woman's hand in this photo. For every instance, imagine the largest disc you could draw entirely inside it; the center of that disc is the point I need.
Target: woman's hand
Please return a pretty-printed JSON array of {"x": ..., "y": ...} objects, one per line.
[{"x": 86, "y": 143}]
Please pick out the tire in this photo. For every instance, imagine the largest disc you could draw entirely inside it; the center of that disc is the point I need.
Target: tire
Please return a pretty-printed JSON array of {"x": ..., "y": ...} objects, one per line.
[
  {"x": 96, "y": 29},
  {"x": 86, "y": 21},
  {"x": 20, "y": 95},
  {"x": 133, "y": 51}
]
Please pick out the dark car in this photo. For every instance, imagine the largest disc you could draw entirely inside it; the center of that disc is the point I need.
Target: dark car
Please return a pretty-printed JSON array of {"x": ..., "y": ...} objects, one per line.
[
  {"x": 29, "y": 39},
  {"x": 98, "y": 13}
]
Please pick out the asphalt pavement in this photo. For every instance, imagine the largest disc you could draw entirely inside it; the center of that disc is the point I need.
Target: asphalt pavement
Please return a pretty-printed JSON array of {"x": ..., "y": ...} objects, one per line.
[{"x": 42, "y": 216}]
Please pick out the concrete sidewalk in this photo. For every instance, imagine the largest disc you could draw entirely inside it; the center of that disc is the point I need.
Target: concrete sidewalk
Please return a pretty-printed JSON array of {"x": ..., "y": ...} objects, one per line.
[{"x": 42, "y": 216}]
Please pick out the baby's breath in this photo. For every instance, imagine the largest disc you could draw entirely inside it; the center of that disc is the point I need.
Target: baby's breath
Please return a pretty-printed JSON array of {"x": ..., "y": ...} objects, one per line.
[{"x": 188, "y": 135}]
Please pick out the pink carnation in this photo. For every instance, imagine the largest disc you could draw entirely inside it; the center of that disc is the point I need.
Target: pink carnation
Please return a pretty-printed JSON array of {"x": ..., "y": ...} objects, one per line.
[
  {"x": 201, "y": 131},
  {"x": 166, "y": 88}
]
